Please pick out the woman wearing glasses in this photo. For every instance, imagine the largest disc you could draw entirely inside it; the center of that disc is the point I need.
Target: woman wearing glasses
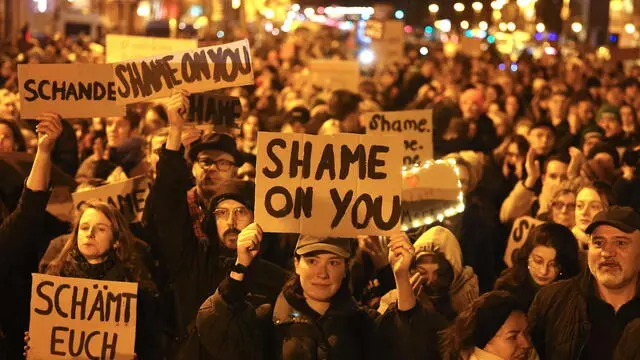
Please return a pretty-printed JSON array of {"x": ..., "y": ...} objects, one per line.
[
  {"x": 563, "y": 208},
  {"x": 550, "y": 253}
]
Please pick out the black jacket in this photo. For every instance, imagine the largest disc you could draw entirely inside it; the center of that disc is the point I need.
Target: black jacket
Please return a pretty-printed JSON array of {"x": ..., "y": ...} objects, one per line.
[
  {"x": 20, "y": 234},
  {"x": 559, "y": 319},
  {"x": 193, "y": 268},
  {"x": 232, "y": 329}
]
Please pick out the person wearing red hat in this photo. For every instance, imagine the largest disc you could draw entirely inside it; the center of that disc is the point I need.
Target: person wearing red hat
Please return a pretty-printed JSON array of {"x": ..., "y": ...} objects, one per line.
[{"x": 482, "y": 132}]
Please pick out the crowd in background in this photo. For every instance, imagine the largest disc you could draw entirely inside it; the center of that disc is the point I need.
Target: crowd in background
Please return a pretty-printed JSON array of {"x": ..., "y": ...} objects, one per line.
[{"x": 557, "y": 140}]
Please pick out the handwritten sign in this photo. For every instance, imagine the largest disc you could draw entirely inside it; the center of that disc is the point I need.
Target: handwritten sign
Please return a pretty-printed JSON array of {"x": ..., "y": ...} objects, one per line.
[
  {"x": 389, "y": 47},
  {"x": 82, "y": 319},
  {"x": 195, "y": 70},
  {"x": 519, "y": 233},
  {"x": 207, "y": 108},
  {"x": 71, "y": 90},
  {"x": 129, "y": 196},
  {"x": 416, "y": 127},
  {"x": 335, "y": 74},
  {"x": 125, "y": 47},
  {"x": 430, "y": 193},
  {"x": 338, "y": 185}
]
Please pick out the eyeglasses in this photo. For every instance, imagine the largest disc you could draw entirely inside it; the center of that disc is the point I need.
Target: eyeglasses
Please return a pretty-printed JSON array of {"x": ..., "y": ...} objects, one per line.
[
  {"x": 221, "y": 164},
  {"x": 539, "y": 265},
  {"x": 560, "y": 206},
  {"x": 240, "y": 213}
]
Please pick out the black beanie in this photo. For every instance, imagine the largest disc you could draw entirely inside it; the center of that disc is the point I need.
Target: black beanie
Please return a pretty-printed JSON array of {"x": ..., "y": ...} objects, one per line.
[
  {"x": 238, "y": 190},
  {"x": 491, "y": 315}
]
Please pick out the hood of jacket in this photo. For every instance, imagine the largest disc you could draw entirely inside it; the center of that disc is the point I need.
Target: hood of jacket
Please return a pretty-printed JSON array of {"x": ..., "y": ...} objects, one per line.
[{"x": 441, "y": 239}]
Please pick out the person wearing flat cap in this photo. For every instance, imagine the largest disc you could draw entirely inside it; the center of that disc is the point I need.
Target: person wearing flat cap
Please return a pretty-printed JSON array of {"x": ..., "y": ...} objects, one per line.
[
  {"x": 493, "y": 327},
  {"x": 585, "y": 317},
  {"x": 193, "y": 229},
  {"x": 315, "y": 315}
]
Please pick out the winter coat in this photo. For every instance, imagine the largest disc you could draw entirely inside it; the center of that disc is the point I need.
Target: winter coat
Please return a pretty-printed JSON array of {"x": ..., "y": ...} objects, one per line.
[
  {"x": 20, "y": 234},
  {"x": 559, "y": 321},
  {"x": 194, "y": 268},
  {"x": 232, "y": 329},
  {"x": 464, "y": 288},
  {"x": 518, "y": 203}
]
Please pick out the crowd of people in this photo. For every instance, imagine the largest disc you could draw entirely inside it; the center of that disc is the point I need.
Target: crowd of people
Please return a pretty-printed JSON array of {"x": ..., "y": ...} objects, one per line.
[{"x": 557, "y": 140}]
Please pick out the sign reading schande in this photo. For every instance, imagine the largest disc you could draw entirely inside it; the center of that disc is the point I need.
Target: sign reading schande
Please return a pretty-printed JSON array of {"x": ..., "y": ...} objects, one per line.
[
  {"x": 75, "y": 318},
  {"x": 196, "y": 70},
  {"x": 415, "y": 126},
  {"x": 338, "y": 185},
  {"x": 70, "y": 90}
]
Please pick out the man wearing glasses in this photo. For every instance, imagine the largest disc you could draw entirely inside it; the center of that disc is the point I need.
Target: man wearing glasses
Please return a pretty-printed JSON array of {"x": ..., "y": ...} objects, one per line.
[
  {"x": 182, "y": 219},
  {"x": 585, "y": 317}
]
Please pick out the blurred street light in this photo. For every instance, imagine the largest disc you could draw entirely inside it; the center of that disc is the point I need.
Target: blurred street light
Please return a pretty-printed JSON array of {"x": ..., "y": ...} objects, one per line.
[
  {"x": 144, "y": 9},
  {"x": 483, "y": 25},
  {"x": 459, "y": 7},
  {"x": 399, "y": 14},
  {"x": 630, "y": 28},
  {"x": 235, "y": 4},
  {"x": 464, "y": 24},
  {"x": 540, "y": 27},
  {"x": 477, "y": 6},
  {"x": 434, "y": 8},
  {"x": 424, "y": 50},
  {"x": 443, "y": 25},
  {"x": 576, "y": 27},
  {"x": 511, "y": 26},
  {"x": 502, "y": 26}
]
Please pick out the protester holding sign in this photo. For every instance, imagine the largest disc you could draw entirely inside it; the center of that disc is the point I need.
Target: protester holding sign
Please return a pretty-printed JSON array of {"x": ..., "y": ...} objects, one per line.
[
  {"x": 19, "y": 234},
  {"x": 101, "y": 247},
  {"x": 194, "y": 229},
  {"x": 550, "y": 253},
  {"x": 315, "y": 315}
]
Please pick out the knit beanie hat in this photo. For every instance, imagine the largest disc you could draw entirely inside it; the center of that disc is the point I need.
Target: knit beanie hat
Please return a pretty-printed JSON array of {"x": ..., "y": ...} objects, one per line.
[{"x": 608, "y": 109}]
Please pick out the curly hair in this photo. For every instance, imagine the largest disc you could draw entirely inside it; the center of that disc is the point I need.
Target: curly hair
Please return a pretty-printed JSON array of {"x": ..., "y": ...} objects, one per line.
[{"x": 126, "y": 254}]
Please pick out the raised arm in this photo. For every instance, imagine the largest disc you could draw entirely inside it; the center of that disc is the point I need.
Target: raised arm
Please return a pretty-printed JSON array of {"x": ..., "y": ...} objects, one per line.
[{"x": 17, "y": 230}]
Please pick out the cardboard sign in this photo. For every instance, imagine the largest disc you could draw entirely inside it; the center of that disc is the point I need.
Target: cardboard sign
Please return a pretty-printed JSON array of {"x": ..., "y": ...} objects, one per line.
[
  {"x": 207, "y": 108},
  {"x": 430, "y": 193},
  {"x": 340, "y": 185},
  {"x": 416, "y": 127},
  {"x": 195, "y": 70},
  {"x": 71, "y": 90},
  {"x": 335, "y": 74},
  {"x": 519, "y": 233},
  {"x": 390, "y": 47},
  {"x": 125, "y": 47},
  {"x": 82, "y": 319},
  {"x": 127, "y": 196}
]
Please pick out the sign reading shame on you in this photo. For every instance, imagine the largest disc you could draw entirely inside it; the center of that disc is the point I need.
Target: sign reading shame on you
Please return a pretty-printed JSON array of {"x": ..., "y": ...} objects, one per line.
[
  {"x": 75, "y": 318},
  {"x": 415, "y": 126},
  {"x": 71, "y": 90},
  {"x": 338, "y": 185},
  {"x": 195, "y": 70}
]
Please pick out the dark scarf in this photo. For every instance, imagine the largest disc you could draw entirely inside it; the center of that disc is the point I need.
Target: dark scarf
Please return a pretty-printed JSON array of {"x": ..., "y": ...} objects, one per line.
[{"x": 92, "y": 271}]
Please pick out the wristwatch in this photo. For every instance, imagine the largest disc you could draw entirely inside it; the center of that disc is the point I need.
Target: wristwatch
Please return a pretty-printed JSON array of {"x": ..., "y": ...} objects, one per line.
[{"x": 239, "y": 268}]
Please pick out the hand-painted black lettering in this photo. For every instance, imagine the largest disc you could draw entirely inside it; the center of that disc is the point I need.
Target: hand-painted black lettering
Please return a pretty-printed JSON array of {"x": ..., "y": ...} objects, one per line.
[
  {"x": 172, "y": 72},
  {"x": 296, "y": 162},
  {"x": 58, "y": 300},
  {"x": 229, "y": 58},
  {"x": 98, "y": 91},
  {"x": 393, "y": 219},
  {"x": 41, "y": 85},
  {"x": 87, "y": 346},
  {"x": 340, "y": 204},
  {"x": 76, "y": 351},
  {"x": 127, "y": 208},
  {"x": 138, "y": 199},
  {"x": 327, "y": 162},
  {"x": 216, "y": 59},
  {"x": 56, "y": 89},
  {"x": 98, "y": 306},
  {"x": 368, "y": 204},
  {"x": 196, "y": 107},
  {"x": 303, "y": 202},
  {"x": 71, "y": 92},
  {"x": 111, "y": 91},
  {"x": 84, "y": 90},
  {"x": 246, "y": 69},
  {"x": 272, "y": 174},
  {"x": 109, "y": 348},
  {"x": 288, "y": 202},
  {"x": 45, "y": 297},
  {"x": 79, "y": 304},
  {"x": 128, "y": 297},
  {"x": 123, "y": 90},
  {"x": 189, "y": 73},
  {"x": 347, "y": 158},
  {"x": 135, "y": 79},
  {"x": 201, "y": 64},
  {"x": 373, "y": 124},
  {"x": 152, "y": 77},
  {"x": 55, "y": 340},
  {"x": 374, "y": 162},
  {"x": 29, "y": 87},
  {"x": 114, "y": 301}
]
